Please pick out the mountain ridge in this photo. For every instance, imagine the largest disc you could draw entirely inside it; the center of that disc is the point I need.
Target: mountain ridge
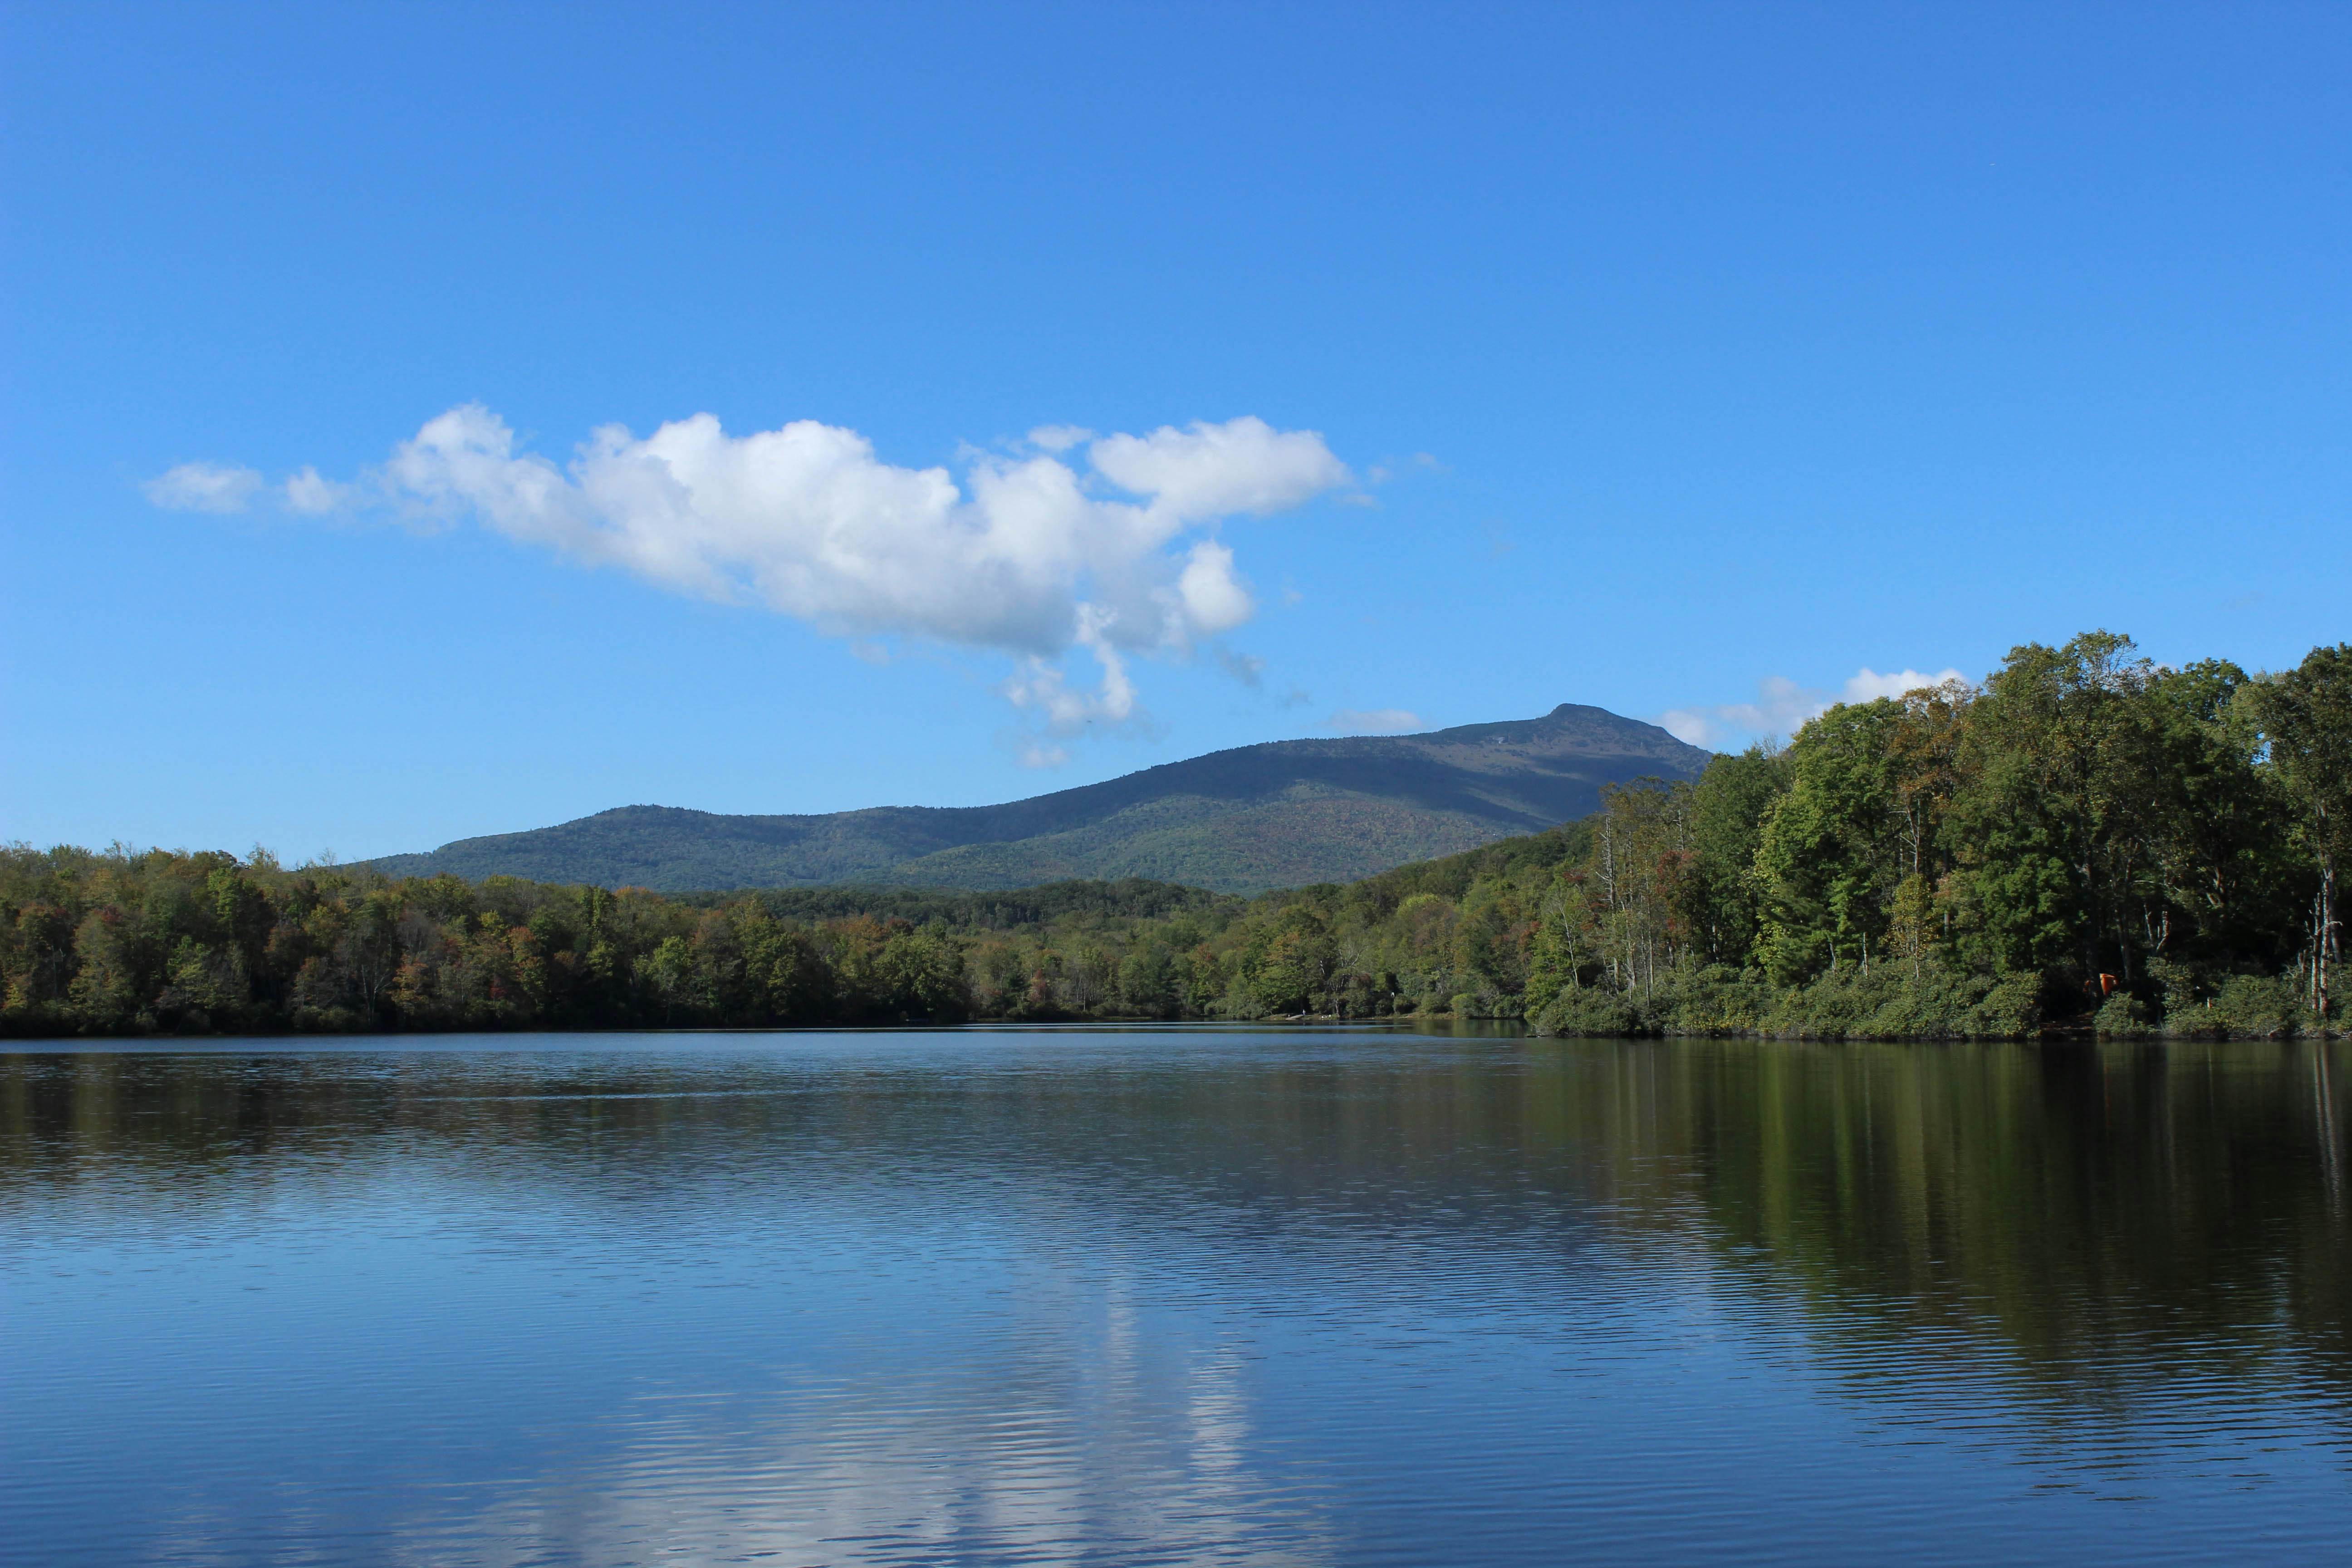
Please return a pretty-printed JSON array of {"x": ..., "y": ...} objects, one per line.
[{"x": 1275, "y": 814}]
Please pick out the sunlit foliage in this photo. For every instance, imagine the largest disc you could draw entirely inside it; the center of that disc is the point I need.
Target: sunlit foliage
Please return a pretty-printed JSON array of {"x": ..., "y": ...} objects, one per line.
[{"x": 2090, "y": 840}]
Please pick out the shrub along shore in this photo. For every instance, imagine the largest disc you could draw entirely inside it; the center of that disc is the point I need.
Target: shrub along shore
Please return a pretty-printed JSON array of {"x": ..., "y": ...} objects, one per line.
[{"x": 2088, "y": 844}]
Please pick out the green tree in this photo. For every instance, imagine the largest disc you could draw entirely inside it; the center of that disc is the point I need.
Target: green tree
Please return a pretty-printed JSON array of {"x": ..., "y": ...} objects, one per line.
[
  {"x": 1559, "y": 948},
  {"x": 666, "y": 974},
  {"x": 2056, "y": 802},
  {"x": 2305, "y": 718},
  {"x": 1287, "y": 965},
  {"x": 1151, "y": 982},
  {"x": 2213, "y": 883},
  {"x": 922, "y": 977},
  {"x": 1830, "y": 854},
  {"x": 1728, "y": 809},
  {"x": 1639, "y": 872}
]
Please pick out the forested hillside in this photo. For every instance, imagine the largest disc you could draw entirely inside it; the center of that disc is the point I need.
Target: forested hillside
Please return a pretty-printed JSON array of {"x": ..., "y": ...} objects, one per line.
[
  {"x": 1240, "y": 821},
  {"x": 2088, "y": 841}
]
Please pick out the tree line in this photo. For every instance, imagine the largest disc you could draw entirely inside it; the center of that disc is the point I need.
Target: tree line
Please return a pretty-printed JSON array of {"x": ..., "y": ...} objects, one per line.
[
  {"x": 2087, "y": 840},
  {"x": 2087, "y": 836}
]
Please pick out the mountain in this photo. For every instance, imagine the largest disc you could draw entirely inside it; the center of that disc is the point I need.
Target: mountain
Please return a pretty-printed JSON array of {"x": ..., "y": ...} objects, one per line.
[{"x": 1281, "y": 814}]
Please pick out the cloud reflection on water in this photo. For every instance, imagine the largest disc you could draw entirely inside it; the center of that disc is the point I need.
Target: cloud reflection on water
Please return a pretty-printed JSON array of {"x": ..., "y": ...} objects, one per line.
[{"x": 998, "y": 1298}]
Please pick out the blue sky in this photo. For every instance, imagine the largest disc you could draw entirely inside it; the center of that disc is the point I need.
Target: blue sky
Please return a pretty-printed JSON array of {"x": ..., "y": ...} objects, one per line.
[{"x": 1687, "y": 360}]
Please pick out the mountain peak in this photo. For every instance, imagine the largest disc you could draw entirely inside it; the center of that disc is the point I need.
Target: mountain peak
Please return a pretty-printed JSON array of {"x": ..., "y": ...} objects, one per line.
[{"x": 1279, "y": 814}]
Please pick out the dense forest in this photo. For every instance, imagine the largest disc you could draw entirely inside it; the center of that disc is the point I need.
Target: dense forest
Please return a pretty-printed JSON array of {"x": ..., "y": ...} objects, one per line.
[{"x": 2087, "y": 841}]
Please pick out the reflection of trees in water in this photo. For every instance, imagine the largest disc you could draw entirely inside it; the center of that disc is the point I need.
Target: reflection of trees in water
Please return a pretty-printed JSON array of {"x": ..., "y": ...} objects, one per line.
[
  {"x": 2097, "y": 1220},
  {"x": 2096, "y": 1211}
]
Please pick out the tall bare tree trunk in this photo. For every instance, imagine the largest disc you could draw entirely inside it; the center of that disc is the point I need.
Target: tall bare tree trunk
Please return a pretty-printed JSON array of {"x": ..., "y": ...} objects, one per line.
[{"x": 2326, "y": 938}]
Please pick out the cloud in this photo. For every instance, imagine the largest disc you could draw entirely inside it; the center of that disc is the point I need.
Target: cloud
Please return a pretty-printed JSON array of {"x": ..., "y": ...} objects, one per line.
[
  {"x": 311, "y": 496},
  {"x": 1217, "y": 470},
  {"x": 1027, "y": 556},
  {"x": 1868, "y": 685},
  {"x": 1044, "y": 688},
  {"x": 1059, "y": 437},
  {"x": 203, "y": 487},
  {"x": 1691, "y": 726},
  {"x": 1373, "y": 721},
  {"x": 1782, "y": 706}
]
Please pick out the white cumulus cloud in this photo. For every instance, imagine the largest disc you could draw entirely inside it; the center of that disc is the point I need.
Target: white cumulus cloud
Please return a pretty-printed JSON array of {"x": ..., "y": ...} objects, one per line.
[
  {"x": 1114, "y": 551},
  {"x": 203, "y": 487},
  {"x": 1059, "y": 437},
  {"x": 1782, "y": 706},
  {"x": 1042, "y": 688},
  {"x": 1868, "y": 685},
  {"x": 1215, "y": 470},
  {"x": 311, "y": 496}
]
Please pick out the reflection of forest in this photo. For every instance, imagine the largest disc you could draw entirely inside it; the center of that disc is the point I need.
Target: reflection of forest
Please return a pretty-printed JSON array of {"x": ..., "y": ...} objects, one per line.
[
  {"x": 2091, "y": 1217},
  {"x": 2107, "y": 1215}
]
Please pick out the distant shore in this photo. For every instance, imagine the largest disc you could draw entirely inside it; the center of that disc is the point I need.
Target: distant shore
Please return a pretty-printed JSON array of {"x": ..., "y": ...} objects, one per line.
[{"x": 2089, "y": 847}]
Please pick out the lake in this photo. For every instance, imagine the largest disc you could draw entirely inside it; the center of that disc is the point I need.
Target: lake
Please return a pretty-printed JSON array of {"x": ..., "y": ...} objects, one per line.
[{"x": 1172, "y": 1295}]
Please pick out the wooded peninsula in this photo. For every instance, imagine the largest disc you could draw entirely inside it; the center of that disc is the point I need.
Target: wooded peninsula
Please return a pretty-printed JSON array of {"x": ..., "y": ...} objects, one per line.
[{"x": 2088, "y": 843}]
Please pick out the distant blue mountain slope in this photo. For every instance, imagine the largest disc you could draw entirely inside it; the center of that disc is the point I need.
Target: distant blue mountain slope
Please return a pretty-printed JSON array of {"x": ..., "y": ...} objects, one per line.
[{"x": 1281, "y": 814}]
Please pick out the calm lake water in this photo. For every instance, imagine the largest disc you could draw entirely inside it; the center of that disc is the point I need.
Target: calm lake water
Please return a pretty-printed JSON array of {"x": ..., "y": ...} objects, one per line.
[{"x": 1162, "y": 1296}]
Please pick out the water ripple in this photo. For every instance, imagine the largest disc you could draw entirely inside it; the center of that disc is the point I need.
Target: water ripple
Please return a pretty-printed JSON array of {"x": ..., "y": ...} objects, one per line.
[{"x": 1166, "y": 1297}]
